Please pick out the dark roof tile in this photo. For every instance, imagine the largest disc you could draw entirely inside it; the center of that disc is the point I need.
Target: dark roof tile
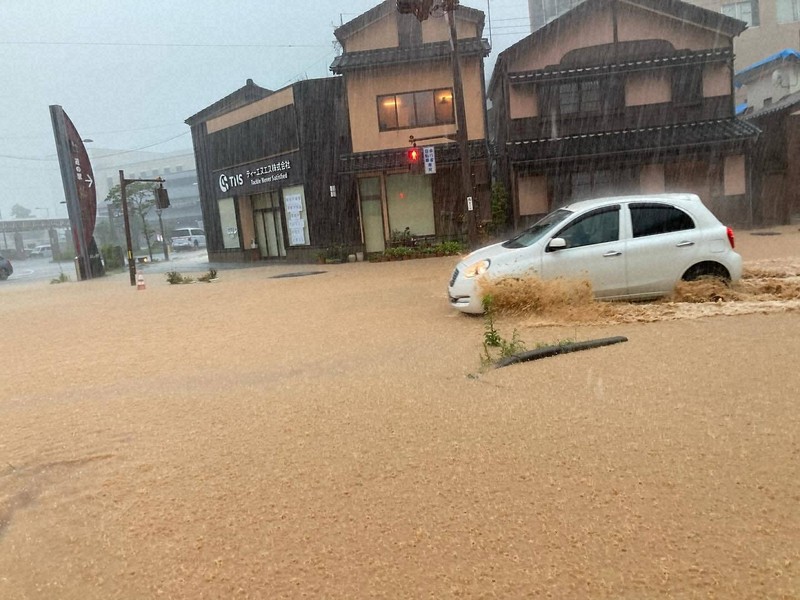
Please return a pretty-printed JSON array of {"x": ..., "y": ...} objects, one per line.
[{"x": 648, "y": 140}]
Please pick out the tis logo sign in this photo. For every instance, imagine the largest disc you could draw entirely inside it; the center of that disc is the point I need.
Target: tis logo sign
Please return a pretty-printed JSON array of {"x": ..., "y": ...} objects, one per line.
[{"x": 227, "y": 182}]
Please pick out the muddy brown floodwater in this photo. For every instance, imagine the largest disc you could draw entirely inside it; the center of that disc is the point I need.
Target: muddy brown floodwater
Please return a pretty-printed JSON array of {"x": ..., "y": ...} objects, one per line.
[{"x": 335, "y": 436}]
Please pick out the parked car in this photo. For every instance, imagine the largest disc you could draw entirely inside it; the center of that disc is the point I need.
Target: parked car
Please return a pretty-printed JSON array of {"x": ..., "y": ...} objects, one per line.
[
  {"x": 5, "y": 268},
  {"x": 42, "y": 251},
  {"x": 630, "y": 247},
  {"x": 188, "y": 238}
]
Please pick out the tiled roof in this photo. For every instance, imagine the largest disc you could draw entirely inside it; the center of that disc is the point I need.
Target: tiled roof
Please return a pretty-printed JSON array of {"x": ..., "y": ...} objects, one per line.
[
  {"x": 681, "y": 11},
  {"x": 446, "y": 154},
  {"x": 647, "y": 140},
  {"x": 390, "y": 7},
  {"x": 396, "y": 56},
  {"x": 789, "y": 102},
  {"x": 247, "y": 94},
  {"x": 680, "y": 58}
]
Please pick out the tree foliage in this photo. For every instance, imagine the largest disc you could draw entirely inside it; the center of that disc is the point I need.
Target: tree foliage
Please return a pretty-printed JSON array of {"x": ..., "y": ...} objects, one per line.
[
  {"x": 20, "y": 212},
  {"x": 141, "y": 198}
]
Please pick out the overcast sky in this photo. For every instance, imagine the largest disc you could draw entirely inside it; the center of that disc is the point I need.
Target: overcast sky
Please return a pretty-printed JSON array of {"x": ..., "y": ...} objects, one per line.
[{"x": 130, "y": 72}]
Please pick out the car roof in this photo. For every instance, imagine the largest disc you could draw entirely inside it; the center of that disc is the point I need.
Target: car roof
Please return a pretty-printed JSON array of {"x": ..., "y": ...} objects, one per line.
[{"x": 676, "y": 198}]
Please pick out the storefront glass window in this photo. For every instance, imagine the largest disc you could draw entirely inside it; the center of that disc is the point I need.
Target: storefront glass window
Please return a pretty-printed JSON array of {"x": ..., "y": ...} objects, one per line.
[
  {"x": 410, "y": 204},
  {"x": 227, "y": 218}
]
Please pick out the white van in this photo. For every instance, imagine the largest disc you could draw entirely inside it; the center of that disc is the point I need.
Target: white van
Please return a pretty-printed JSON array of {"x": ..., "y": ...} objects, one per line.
[
  {"x": 188, "y": 238},
  {"x": 41, "y": 251}
]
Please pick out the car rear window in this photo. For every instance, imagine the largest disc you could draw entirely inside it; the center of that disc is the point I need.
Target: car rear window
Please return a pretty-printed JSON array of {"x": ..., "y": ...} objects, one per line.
[{"x": 654, "y": 219}]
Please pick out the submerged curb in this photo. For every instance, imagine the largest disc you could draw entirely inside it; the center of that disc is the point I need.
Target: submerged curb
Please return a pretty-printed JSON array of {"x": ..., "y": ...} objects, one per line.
[{"x": 556, "y": 350}]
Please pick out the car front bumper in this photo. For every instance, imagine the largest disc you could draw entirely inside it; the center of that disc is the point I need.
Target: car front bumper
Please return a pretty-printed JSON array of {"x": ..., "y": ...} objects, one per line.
[{"x": 463, "y": 293}]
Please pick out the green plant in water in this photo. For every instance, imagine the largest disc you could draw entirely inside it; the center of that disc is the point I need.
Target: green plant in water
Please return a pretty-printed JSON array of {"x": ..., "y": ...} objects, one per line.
[
  {"x": 493, "y": 340},
  {"x": 62, "y": 278},
  {"x": 208, "y": 277},
  {"x": 173, "y": 277}
]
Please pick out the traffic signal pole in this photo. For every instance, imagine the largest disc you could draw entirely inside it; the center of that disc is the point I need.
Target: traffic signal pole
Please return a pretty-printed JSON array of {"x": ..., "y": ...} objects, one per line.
[{"x": 123, "y": 183}]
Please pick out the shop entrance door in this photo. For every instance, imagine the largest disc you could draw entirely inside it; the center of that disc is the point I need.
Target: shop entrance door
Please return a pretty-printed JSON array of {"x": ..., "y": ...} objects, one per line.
[
  {"x": 268, "y": 221},
  {"x": 369, "y": 191}
]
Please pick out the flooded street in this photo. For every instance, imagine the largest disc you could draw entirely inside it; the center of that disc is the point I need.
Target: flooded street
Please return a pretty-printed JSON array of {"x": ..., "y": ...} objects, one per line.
[{"x": 334, "y": 435}]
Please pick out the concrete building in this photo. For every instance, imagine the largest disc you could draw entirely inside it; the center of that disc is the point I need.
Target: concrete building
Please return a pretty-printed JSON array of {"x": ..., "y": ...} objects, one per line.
[
  {"x": 176, "y": 168},
  {"x": 543, "y": 11},
  {"x": 772, "y": 26}
]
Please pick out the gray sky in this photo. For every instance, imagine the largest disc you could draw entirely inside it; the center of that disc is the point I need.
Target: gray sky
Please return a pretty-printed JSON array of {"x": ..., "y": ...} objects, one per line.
[{"x": 129, "y": 72}]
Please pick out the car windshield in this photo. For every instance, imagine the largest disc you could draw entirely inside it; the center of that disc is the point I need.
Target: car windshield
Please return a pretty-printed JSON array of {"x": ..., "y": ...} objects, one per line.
[{"x": 535, "y": 232}]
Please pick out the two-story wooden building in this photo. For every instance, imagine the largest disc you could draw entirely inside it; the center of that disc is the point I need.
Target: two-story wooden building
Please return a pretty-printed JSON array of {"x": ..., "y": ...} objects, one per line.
[
  {"x": 400, "y": 82},
  {"x": 618, "y": 97}
]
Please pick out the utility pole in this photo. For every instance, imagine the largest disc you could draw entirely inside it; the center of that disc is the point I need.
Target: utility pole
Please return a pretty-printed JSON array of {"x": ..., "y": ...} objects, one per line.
[{"x": 461, "y": 124}]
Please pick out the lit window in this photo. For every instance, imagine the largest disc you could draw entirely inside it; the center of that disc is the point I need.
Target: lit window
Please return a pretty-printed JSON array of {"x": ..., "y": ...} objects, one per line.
[{"x": 415, "y": 109}]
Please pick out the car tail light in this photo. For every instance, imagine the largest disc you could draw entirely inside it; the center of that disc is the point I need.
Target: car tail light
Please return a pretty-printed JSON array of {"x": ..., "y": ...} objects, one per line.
[{"x": 731, "y": 238}]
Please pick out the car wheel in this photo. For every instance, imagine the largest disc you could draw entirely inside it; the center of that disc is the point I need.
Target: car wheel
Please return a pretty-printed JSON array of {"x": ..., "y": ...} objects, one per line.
[
  {"x": 707, "y": 269},
  {"x": 3, "y": 274}
]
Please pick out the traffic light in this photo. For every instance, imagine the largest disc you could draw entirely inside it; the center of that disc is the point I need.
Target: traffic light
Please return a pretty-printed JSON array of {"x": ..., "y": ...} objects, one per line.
[
  {"x": 413, "y": 155},
  {"x": 406, "y": 7},
  {"x": 162, "y": 198},
  {"x": 419, "y": 8}
]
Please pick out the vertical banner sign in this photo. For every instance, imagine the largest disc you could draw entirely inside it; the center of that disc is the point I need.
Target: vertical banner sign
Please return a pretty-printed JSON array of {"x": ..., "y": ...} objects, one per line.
[
  {"x": 79, "y": 191},
  {"x": 429, "y": 156}
]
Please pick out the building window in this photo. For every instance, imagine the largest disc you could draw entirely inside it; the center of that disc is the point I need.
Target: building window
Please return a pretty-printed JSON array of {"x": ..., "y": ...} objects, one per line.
[
  {"x": 416, "y": 109},
  {"x": 746, "y": 11},
  {"x": 551, "y": 9},
  {"x": 579, "y": 97},
  {"x": 788, "y": 11}
]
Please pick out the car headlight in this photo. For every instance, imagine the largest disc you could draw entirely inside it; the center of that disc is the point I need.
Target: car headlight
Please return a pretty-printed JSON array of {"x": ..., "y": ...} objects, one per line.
[{"x": 478, "y": 268}]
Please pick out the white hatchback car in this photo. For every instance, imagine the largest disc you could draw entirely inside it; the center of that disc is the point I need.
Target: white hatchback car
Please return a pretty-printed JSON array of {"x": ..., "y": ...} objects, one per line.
[{"x": 628, "y": 247}]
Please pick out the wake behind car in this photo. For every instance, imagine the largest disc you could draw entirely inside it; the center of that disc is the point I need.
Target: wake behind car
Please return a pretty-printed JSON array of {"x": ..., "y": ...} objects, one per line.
[
  {"x": 5, "y": 268},
  {"x": 628, "y": 247}
]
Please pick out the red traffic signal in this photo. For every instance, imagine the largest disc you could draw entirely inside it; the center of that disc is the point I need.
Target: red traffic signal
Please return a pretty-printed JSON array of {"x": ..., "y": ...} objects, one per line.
[{"x": 413, "y": 154}]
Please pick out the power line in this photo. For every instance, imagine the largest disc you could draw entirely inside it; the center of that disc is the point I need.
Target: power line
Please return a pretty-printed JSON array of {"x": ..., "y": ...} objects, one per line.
[{"x": 159, "y": 45}]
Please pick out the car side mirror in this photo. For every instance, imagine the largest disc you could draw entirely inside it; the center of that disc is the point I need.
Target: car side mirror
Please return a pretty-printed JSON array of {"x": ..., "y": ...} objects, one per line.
[{"x": 557, "y": 244}]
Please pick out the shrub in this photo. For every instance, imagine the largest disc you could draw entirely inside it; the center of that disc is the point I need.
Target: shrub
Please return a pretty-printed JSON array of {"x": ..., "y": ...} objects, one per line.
[
  {"x": 173, "y": 277},
  {"x": 208, "y": 277}
]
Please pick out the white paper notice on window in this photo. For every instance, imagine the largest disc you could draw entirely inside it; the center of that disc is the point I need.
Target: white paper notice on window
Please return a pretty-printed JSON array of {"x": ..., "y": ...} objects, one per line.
[
  {"x": 294, "y": 209},
  {"x": 293, "y": 203},
  {"x": 297, "y": 234}
]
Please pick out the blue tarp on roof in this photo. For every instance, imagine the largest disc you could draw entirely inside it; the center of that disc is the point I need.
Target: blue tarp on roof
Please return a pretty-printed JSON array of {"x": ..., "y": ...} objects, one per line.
[{"x": 778, "y": 56}]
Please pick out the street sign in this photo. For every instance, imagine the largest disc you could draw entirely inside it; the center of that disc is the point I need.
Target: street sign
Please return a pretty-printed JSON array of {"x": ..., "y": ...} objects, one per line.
[{"x": 429, "y": 156}]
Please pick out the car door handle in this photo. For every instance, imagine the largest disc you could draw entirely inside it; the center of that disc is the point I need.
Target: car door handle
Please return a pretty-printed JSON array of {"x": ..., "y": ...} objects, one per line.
[
  {"x": 612, "y": 253},
  {"x": 684, "y": 244}
]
